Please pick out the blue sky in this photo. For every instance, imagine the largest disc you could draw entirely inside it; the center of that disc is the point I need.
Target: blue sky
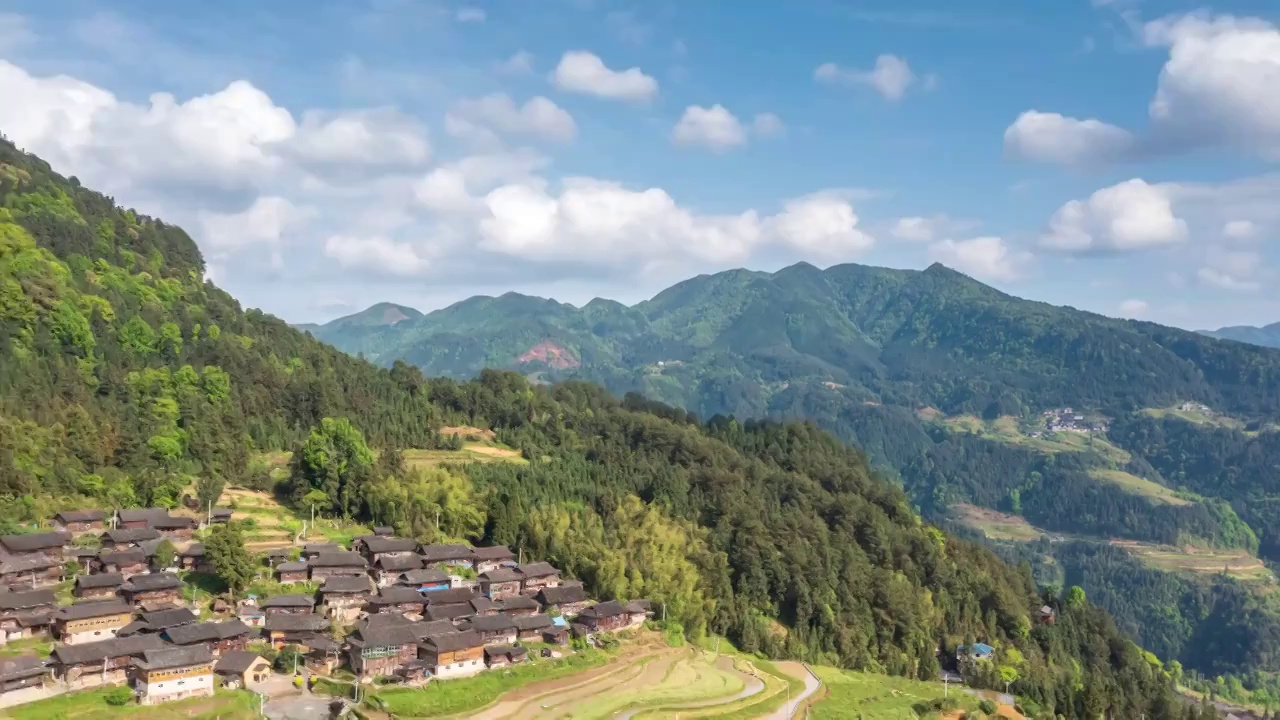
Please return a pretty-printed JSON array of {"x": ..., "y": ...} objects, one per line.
[{"x": 1114, "y": 155}]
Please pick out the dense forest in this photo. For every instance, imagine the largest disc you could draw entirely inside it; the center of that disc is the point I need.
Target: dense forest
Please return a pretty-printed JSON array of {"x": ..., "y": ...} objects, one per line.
[{"x": 127, "y": 378}]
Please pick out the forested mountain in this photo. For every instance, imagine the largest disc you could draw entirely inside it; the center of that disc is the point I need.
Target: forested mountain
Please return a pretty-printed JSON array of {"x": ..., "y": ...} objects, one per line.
[
  {"x": 1266, "y": 336},
  {"x": 125, "y": 376},
  {"x": 951, "y": 387}
]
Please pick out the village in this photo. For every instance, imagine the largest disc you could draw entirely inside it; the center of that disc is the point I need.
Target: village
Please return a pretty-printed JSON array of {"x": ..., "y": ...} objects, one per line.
[
  {"x": 386, "y": 608},
  {"x": 1067, "y": 419}
]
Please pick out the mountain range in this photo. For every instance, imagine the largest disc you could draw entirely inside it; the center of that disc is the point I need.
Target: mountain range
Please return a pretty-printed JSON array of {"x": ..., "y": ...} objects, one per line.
[{"x": 1266, "y": 336}]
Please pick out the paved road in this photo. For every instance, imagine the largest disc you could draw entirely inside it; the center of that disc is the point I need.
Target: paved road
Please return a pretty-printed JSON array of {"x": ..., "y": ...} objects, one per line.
[{"x": 811, "y": 685}]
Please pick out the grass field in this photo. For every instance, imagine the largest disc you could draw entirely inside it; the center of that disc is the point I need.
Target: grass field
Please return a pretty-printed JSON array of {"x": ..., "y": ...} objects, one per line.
[
  {"x": 996, "y": 525},
  {"x": 852, "y": 695},
  {"x": 1238, "y": 564},
  {"x": 92, "y": 704},
  {"x": 27, "y": 646},
  {"x": 1140, "y": 486},
  {"x": 1009, "y": 430},
  {"x": 1196, "y": 416}
]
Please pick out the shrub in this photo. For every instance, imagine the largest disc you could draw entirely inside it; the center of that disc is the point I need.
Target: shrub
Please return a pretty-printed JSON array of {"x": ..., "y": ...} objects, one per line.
[
  {"x": 987, "y": 707},
  {"x": 119, "y": 696}
]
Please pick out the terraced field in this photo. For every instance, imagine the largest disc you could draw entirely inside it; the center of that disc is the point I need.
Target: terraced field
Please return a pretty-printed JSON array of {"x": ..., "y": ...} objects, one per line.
[
  {"x": 1007, "y": 429},
  {"x": 996, "y": 525},
  {"x": 1190, "y": 560},
  {"x": 1140, "y": 486}
]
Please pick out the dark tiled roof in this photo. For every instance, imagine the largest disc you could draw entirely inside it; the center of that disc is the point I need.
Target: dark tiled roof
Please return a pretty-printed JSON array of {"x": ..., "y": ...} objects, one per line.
[
  {"x": 121, "y": 558},
  {"x": 80, "y": 516},
  {"x": 517, "y": 603},
  {"x": 383, "y": 530},
  {"x": 222, "y": 512},
  {"x": 501, "y": 575},
  {"x": 562, "y": 595},
  {"x": 449, "y": 612},
  {"x": 345, "y": 584},
  {"x": 338, "y": 559},
  {"x": 26, "y": 599},
  {"x": 284, "y": 622},
  {"x": 174, "y": 522},
  {"x": 445, "y": 553},
  {"x": 173, "y": 617},
  {"x": 511, "y": 652},
  {"x": 495, "y": 552},
  {"x": 537, "y": 570},
  {"x": 448, "y": 597},
  {"x": 138, "y": 514},
  {"x": 175, "y": 657},
  {"x": 28, "y": 563},
  {"x": 289, "y": 601},
  {"x": 34, "y": 542},
  {"x": 454, "y": 641},
  {"x": 193, "y": 550},
  {"x": 492, "y": 623},
  {"x": 396, "y": 595},
  {"x": 96, "y": 608},
  {"x": 432, "y": 628},
  {"x": 100, "y": 580},
  {"x": 533, "y": 622},
  {"x": 206, "y": 632},
  {"x": 97, "y": 651},
  {"x": 152, "y": 581},
  {"x": 609, "y": 608},
  {"x": 323, "y": 643},
  {"x": 22, "y": 666},
  {"x": 292, "y": 567},
  {"x": 482, "y": 604},
  {"x": 236, "y": 662},
  {"x": 379, "y": 544},
  {"x": 637, "y": 606},
  {"x": 130, "y": 535},
  {"x": 399, "y": 563},
  {"x": 321, "y": 548},
  {"x": 424, "y": 577},
  {"x": 383, "y": 620}
]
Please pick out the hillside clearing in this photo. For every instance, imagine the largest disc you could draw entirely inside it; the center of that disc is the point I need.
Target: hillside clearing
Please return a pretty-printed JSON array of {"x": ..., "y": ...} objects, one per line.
[
  {"x": 93, "y": 704},
  {"x": 1140, "y": 486},
  {"x": 1191, "y": 560},
  {"x": 1011, "y": 430},
  {"x": 996, "y": 525},
  {"x": 852, "y": 695}
]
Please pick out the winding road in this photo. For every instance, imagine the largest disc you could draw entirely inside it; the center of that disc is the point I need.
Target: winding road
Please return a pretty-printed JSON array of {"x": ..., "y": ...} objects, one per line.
[{"x": 811, "y": 685}]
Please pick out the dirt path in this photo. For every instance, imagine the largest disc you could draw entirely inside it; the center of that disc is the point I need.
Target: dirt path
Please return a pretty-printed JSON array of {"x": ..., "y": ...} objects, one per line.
[{"x": 811, "y": 685}]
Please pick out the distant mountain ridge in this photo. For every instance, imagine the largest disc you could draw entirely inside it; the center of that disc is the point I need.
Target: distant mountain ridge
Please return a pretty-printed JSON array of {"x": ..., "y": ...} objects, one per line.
[{"x": 1265, "y": 336}]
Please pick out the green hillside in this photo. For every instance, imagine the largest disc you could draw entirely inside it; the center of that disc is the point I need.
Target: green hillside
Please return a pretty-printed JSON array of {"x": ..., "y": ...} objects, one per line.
[
  {"x": 1265, "y": 336},
  {"x": 126, "y": 378}
]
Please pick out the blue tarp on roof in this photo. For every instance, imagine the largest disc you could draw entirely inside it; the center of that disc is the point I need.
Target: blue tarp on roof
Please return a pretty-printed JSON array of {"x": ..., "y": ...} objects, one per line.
[{"x": 559, "y": 621}]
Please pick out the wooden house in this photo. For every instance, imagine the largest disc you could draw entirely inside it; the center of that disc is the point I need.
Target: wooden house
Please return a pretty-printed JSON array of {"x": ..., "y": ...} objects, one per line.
[
  {"x": 375, "y": 547},
  {"x": 518, "y": 606},
  {"x": 79, "y": 522},
  {"x": 152, "y": 589},
  {"x": 569, "y": 600},
  {"x": 105, "y": 660},
  {"x": 381, "y": 644},
  {"x": 537, "y": 575},
  {"x": 173, "y": 673},
  {"x": 125, "y": 538},
  {"x": 97, "y": 587},
  {"x": 1046, "y": 615},
  {"x": 88, "y": 622},
  {"x": 32, "y": 571},
  {"x": 397, "y": 599},
  {"x": 483, "y": 606},
  {"x": 220, "y": 516},
  {"x": 493, "y": 629},
  {"x": 492, "y": 558},
  {"x": 175, "y": 527},
  {"x": 125, "y": 562},
  {"x": 453, "y": 655},
  {"x": 500, "y": 656},
  {"x": 192, "y": 557},
  {"x": 451, "y": 611},
  {"x": 239, "y": 669},
  {"x": 500, "y": 583},
  {"x": 25, "y": 613},
  {"x": 425, "y": 580},
  {"x": 310, "y": 550},
  {"x": 336, "y": 564},
  {"x": 605, "y": 617},
  {"x": 387, "y": 569},
  {"x": 294, "y": 571},
  {"x": 639, "y": 610},
  {"x": 285, "y": 629},
  {"x": 47, "y": 544},
  {"x": 139, "y": 517},
  {"x": 250, "y": 613},
  {"x": 22, "y": 679},
  {"x": 161, "y": 620},
  {"x": 532, "y": 627},
  {"x": 448, "y": 555},
  {"x": 343, "y": 597},
  {"x": 221, "y": 637},
  {"x": 293, "y": 604}
]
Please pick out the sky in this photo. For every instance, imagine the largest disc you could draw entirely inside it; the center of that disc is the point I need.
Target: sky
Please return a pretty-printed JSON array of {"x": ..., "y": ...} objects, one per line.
[{"x": 1118, "y": 156}]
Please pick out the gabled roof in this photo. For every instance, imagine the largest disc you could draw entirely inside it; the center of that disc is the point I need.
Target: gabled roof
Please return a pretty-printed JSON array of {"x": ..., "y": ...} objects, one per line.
[
  {"x": 21, "y": 666},
  {"x": 296, "y": 600},
  {"x": 222, "y": 513},
  {"x": 174, "y": 522},
  {"x": 453, "y": 641},
  {"x": 130, "y": 535},
  {"x": 97, "y": 651},
  {"x": 533, "y": 622},
  {"x": 482, "y": 604},
  {"x": 400, "y": 563},
  {"x": 494, "y": 552},
  {"x": 383, "y": 620},
  {"x": 501, "y": 575},
  {"x": 492, "y": 623},
  {"x": 80, "y": 516},
  {"x": 173, "y": 617},
  {"x": 448, "y": 597},
  {"x": 449, "y": 612},
  {"x": 432, "y": 628},
  {"x": 236, "y": 662},
  {"x": 206, "y": 632},
  {"x": 610, "y": 608},
  {"x": 175, "y": 657},
  {"x": 397, "y": 595},
  {"x": 511, "y": 652},
  {"x": 285, "y": 622},
  {"x": 378, "y": 544},
  {"x": 373, "y": 633},
  {"x": 33, "y": 542},
  {"x": 121, "y": 558},
  {"x": 346, "y": 584},
  {"x": 537, "y": 570},
  {"x": 138, "y": 514},
  {"x": 637, "y": 606},
  {"x": 27, "y": 599},
  {"x": 343, "y": 558},
  {"x": 100, "y": 580},
  {"x": 562, "y": 595},
  {"x": 28, "y": 563},
  {"x": 383, "y": 530},
  {"x": 292, "y": 566},
  {"x": 93, "y": 609},
  {"x": 152, "y": 581},
  {"x": 193, "y": 550},
  {"x": 446, "y": 552},
  {"x": 425, "y": 576},
  {"x": 519, "y": 602},
  {"x": 321, "y": 548}
]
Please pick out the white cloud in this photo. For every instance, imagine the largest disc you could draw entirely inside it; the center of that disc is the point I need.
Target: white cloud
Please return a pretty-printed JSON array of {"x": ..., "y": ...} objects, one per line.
[
  {"x": 1239, "y": 230},
  {"x": 15, "y": 32},
  {"x": 823, "y": 225},
  {"x": 480, "y": 118},
  {"x": 1233, "y": 270},
  {"x": 583, "y": 72},
  {"x": 1134, "y": 309},
  {"x": 891, "y": 77},
  {"x": 262, "y": 226},
  {"x": 927, "y": 229},
  {"x": 985, "y": 258},
  {"x": 768, "y": 125},
  {"x": 715, "y": 128},
  {"x": 1132, "y": 215},
  {"x": 1053, "y": 138},
  {"x": 520, "y": 63},
  {"x": 379, "y": 138},
  {"x": 376, "y": 255},
  {"x": 1225, "y": 280},
  {"x": 470, "y": 15}
]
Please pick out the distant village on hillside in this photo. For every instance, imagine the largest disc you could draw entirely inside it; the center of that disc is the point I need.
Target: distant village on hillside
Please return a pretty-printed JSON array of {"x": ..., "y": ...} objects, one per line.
[
  {"x": 386, "y": 607},
  {"x": 1070, "y": 420}
]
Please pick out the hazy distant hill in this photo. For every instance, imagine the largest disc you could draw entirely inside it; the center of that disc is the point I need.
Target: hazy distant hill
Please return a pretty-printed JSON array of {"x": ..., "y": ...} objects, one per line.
[{"x": 1266, "y": 336}]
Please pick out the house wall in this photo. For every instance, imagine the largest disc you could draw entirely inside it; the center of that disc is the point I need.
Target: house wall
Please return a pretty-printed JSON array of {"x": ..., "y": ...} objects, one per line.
[
  {"x": 500, "y": 590},
  {"x": 153, "y": 596},
  {"x": 504, "y": 637},
  {"x": 459, "y": 663},
  {"x": 92, "y": 629},
  {"x": 167, "y": 685},
  {"x": 96, "y": 593}
]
